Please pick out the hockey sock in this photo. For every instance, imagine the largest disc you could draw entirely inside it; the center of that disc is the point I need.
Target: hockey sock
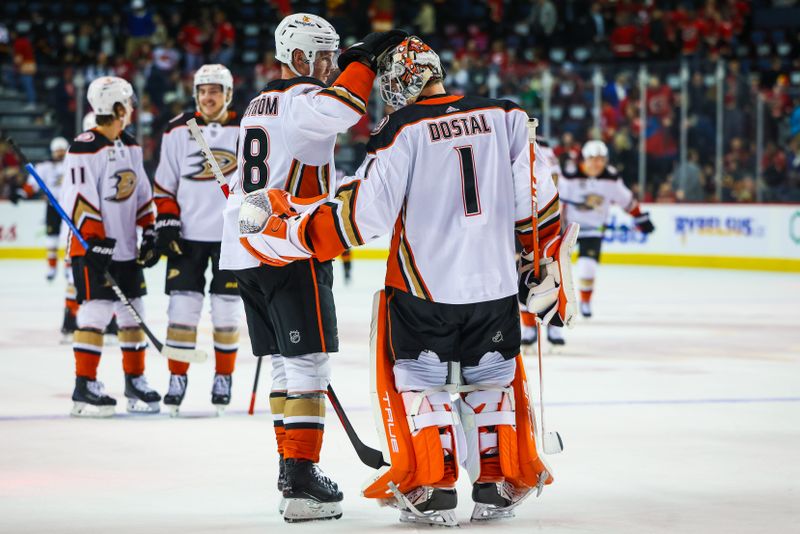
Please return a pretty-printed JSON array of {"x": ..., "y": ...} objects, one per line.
[
  {"x": 132, "y": 342},
  {"x": 87, "y": 346},
  {"x": 277, "y": 403},
  {"x": 304, "y": 421},
  {"x": 586, "y": 294},
  {"x": 226, "y": 343},
  {"x": 528, "y": 318},
  {"x": 52, "y": 257},
  {"x": 180, "y": 336}
]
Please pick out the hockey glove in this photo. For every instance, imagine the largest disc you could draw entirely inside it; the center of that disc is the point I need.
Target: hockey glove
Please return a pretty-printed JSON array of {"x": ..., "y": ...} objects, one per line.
[
  {"x": 148, "y": 255},
  {"x": 168, "y": 235},
  {"x": 371, "y": 48},
  {"x": 98, "y": 256},
  {"x": 553, "y": 295},
  {"x": 643, "y": 223}
]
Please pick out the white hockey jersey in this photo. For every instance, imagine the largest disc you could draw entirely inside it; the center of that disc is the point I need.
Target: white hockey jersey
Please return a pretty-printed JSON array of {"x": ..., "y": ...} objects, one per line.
[
  {"x": 52, "y": 173},
  {"x": 286, "y": 141},
  {"x": 451, "y": 175},
  {"x": 184, "y": 184},
  {"x": 107, "y": 192},
  {"x": 587, "y": 201}
]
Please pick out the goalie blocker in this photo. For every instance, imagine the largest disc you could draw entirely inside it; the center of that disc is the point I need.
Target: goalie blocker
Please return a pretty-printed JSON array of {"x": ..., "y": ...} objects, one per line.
[{"x": 489, "y": 428}]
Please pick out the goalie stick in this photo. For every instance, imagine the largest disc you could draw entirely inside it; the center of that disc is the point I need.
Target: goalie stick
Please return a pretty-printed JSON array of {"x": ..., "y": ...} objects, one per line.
[
  {"x": 369, "y": 456},
  {"x": 551, "y": 441},
  {"x": 173, "y": 353}
]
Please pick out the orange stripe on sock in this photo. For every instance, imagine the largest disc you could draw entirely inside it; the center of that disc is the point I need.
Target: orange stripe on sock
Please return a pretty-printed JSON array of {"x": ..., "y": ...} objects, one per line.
[
  {"x": 86, "y": 364},
  {"x": 303, "y": 443},
  {"x": 178, "y": 368},
  {"x": 133, "y": 361},
  {"x": 528, "y": 318},
  {"x": 226, "y": 362}
]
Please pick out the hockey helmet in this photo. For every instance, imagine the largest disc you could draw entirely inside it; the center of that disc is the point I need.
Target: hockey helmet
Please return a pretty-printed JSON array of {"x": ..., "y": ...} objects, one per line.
[
  {"x": 406, "y": 70},
  {"x": 307, "y": 33},
  {"x": 58, "y": 144},
  {"x": 593, "y": 149},
  {"x": 214, "y": 74},
  {"x": 106, "y": 91}
]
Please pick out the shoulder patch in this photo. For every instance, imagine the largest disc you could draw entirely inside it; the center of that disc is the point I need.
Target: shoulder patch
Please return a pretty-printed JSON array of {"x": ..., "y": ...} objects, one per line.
[
  {"x": 85, "y": 137},
  {"x": 88, "y": 142},
  {"x": 380, "y": 125}
]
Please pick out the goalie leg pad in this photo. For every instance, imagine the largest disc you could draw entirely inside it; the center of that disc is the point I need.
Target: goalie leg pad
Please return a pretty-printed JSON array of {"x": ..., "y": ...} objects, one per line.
[{"x": 414, "y": 417}]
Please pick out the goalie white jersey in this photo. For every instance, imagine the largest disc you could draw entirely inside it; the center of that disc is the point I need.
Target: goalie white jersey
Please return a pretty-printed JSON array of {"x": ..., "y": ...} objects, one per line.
[
  {"x": 184, "y": 184},
  {"x": 286, "y": 141},
  {"x": 587, "y": 201},
  {"x": 451, "y": 175},
  {"x": 106, "y": 191}
]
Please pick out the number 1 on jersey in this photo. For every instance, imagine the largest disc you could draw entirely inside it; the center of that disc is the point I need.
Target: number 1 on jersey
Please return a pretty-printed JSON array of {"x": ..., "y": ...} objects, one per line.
[
  {"x": 255, "y": 171},
  {"x": 469, "y": 181}
]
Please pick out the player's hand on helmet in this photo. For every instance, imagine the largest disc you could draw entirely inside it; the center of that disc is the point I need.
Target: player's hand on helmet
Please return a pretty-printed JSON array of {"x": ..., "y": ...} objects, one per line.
[
  {"x": 370, "y": 49},
  {"x": 168, "y": 235},
  {"x": 148, "y": 255},
  {"x": 643, "y": 223},
  {"x": 99, "y": 253}
]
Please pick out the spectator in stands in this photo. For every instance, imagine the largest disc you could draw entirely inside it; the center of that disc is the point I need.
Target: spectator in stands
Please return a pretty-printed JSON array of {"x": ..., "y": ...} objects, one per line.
[
  {"x": 192, "y": 38},
  {"x": 9, "y": 171},
  {"x": 24, "y": 65},
  {"x": 224, "y": 40},
  {"x": 688, "y": 181},
  {"x": 140, "y": 26},
  {"x": 267, "y": 70}
]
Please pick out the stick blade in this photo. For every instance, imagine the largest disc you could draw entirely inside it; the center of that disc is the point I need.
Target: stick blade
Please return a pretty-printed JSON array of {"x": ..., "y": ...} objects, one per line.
[
  {"x": 185, "y": 355},
  {"x": 552, "y": 443}
]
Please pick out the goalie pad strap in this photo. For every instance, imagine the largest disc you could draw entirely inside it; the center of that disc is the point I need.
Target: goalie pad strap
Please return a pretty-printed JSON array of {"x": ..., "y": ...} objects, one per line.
[
  {"x": 494, "y": 418},
  {"x": 424, "y": 420},
  {"x": 487, "y": 440}
]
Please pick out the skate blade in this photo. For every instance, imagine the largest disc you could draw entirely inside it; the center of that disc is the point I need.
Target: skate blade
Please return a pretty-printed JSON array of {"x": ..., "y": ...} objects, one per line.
[
  {"x": 83, "y": 409},
  {"x": 489, "y": 512},
  {"x": 174, "y": 410},
  {"x": 220, "y": 409},
  {"x": 297, "y": 510},
  {"x": 440, "y": 518},
  {"x": 139, "y": 406}
]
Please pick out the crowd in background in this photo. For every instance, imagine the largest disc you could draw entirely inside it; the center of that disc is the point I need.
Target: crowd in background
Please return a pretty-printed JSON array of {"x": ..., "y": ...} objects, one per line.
[{"x": 491, "y": 48}]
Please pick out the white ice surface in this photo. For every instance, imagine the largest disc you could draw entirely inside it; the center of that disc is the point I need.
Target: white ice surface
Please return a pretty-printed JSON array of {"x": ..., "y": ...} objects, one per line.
[{"x": 679, "y": 405}]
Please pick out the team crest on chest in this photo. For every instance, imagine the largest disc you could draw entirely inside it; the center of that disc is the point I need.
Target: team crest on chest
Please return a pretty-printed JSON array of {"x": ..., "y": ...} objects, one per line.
[
  {"x": 124, "y": 187},
  {"x": 225, "y": 159},
  {"x": 591, "y": 202}
]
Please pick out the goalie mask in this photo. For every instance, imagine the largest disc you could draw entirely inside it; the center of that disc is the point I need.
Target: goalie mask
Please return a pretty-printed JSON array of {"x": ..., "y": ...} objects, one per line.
[
  {"x": 107, "y": 91},
  {"x": 309, "y": 34},
  {"x": 214, "y": 74},
  {"x": 405, "y": 71}
]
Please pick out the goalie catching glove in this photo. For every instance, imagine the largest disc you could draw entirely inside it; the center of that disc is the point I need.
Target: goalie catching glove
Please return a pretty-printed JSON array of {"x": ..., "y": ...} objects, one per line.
[
  {"x": 552, "y": 297},
  {"x": 272, "y": 226}
]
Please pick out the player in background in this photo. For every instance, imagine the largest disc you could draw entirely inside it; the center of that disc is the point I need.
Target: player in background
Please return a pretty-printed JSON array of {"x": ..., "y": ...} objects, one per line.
[
  {"x": 189, "y": 232},
  {"x": 450, "y": 175},
  {"x": 587, "y": 191},
  {"x": 529, "y": 330},
  {"x": 108, "y": 195},
  {"x": 286, "y": 141},
  {"x": 52, "y": 172}
]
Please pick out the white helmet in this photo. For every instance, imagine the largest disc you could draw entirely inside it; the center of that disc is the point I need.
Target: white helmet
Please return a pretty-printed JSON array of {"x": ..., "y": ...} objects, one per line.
[
  {"x": 593, "y": 149},
  {"x": 406, "y": 70},
  {"x": 305, "y": 32},
  {"x": 106, "y": 91},
  {"x": 214, "y": 74},
  {"x": 89, "y": 121},
  {"x": 59, "y": 143}
]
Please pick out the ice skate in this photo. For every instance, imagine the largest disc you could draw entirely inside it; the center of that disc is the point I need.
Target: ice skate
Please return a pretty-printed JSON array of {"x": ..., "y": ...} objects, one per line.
[
  {"x": 586, "y": 309},
  {"x": 426, "y": 505},
  {"x": 221, "y": 392},
  {"x": 90, "y": 399},
  {"x": 555, "y": 335},
  {"x": 309, "y": 494},
  {"x": 495, "y": 500},
  {"x": 175, "y": 394},
  {"x": 141, "y": 397},
  {"x": 281, "y": 483}
]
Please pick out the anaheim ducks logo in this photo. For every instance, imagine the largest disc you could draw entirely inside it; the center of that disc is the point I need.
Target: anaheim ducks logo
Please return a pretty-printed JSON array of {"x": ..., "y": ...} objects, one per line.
[
  {"x": 225, "y": 159},
  {"x": 591, "y": 202},
  {"x": 125, "y": 186}
]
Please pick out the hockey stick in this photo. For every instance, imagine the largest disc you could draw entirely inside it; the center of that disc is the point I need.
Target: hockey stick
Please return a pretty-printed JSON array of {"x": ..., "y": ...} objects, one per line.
[
  {"x": 252, "y": 409},
  {"x": 551, "y": 441},
  {"x": 370, "y": 457},
  {"x": 173, "y": 353},
  {"x": 194, "y": 129}
]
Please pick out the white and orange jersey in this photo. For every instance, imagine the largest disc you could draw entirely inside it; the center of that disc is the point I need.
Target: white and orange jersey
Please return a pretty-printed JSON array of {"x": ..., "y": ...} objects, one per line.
[
  {"x": 286, "y": 141},
  {"x": 184, "y": 184},
  {"x": 587, "y": 200},
  {"x": 52, "y": 173},
  {"x": 451, "y": 176},
  {"x": 106, "y": 191}
]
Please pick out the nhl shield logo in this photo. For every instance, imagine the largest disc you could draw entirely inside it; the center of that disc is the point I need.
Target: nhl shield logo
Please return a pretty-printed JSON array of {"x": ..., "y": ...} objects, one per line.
[{"x": 294, "y": 336}]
